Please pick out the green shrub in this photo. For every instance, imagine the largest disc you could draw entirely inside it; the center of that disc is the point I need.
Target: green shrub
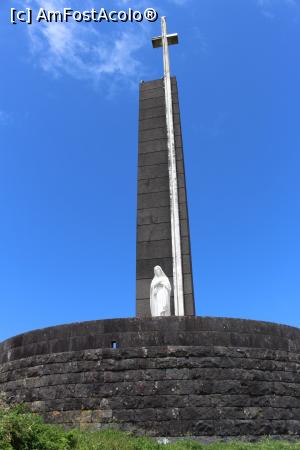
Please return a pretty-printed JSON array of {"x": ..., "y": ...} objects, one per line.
[{"x": 22, "y": 430}]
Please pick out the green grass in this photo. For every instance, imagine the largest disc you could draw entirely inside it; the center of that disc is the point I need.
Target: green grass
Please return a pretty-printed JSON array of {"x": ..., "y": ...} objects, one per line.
[
  {"x": 115, "y": 440},
  {"x": 22, "y": 430}
]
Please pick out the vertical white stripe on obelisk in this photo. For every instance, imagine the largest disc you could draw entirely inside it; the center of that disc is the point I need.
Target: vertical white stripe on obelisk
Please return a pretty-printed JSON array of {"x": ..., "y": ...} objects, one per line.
[{"x": 175, "y": 223}]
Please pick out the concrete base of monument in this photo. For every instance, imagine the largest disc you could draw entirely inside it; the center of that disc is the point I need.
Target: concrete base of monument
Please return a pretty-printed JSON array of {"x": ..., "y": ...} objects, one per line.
[{"x": 209, "y": 378}]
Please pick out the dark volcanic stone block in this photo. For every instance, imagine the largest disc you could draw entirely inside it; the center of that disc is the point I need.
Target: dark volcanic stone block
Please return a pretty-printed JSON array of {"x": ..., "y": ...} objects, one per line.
[
  {"x": 154, "y": 200},
  {"x": 152, "y": 134},
  {"x": 153, "y": 122},
  {"x": 154, "y": 250},
  {"x": 151, "y": 103},
  {"x": 154, "y": 232},
  {"x": 153, "y": 215},
  {"x": 152, "y": 93},
  {"x": 153, "y": 185},
  {"x": 155, "y": 171},
  {"x": 151, "y": 113},
  {"x": 151, "y": 159}
]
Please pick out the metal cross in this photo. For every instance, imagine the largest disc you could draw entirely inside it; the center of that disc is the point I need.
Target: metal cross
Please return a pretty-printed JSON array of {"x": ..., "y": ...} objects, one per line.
[{"x": 164, "y": 41}]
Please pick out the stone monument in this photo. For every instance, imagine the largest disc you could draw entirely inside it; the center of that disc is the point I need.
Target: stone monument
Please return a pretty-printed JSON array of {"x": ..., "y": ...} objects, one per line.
[
  {"x": 163, "y": 236},
  {"x": 204, "y": 378}
]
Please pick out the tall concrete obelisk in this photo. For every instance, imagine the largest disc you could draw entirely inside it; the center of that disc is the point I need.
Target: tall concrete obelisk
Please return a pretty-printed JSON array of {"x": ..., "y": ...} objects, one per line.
[{"x": 162, "y": 222}]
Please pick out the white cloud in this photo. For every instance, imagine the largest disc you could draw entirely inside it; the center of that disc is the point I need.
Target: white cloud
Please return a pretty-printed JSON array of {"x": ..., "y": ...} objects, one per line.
[
  {"x": 85, "y": 54},
  {"x": 4, "y": 117},
  {"x": 268, "y": 7},
  {"x": 92, "y": 51},
  {"x": 85, "y": 51},
  {"x": 269, "y": 3},
  {"x": 180, "y": 2}
]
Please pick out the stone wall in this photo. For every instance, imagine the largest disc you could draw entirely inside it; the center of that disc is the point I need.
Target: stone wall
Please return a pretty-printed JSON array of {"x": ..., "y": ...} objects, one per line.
[{"x": 203, "y": 377}]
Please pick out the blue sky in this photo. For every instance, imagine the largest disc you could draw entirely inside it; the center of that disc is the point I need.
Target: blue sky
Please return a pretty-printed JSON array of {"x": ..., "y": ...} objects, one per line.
[{"x": 68, "y": 157}]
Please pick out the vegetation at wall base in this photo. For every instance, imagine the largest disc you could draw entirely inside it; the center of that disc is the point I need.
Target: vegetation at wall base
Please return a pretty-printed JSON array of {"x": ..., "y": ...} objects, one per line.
[{"x": 22, "y": 430}]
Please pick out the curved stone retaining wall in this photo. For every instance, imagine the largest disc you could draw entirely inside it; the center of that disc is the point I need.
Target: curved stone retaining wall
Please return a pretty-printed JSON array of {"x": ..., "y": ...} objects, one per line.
[{"x": 203, "y": 377}]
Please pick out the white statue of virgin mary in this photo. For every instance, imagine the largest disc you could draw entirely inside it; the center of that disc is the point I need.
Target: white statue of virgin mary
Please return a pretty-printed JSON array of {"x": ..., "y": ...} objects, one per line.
[{"x": 160, "y": 293}]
